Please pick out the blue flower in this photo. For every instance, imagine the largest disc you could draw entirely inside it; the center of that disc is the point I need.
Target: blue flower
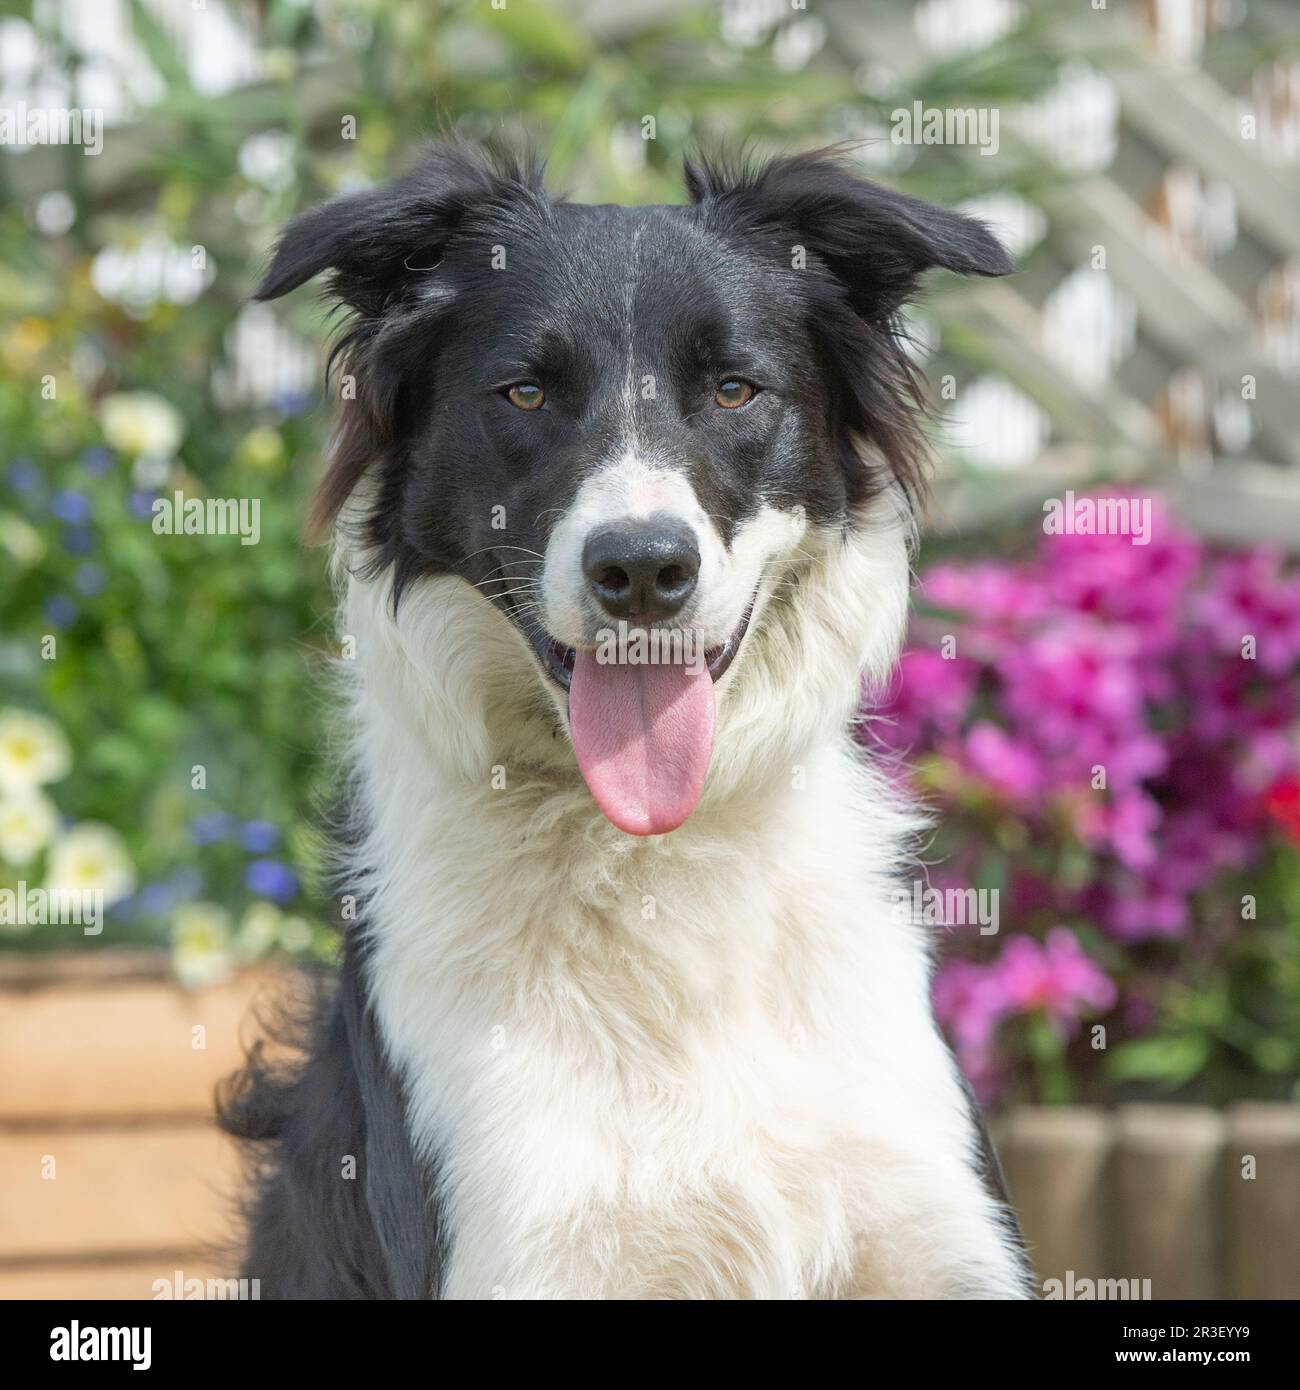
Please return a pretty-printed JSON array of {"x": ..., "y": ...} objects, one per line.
[
  {"x": 89, "y": 580},
  {"x": 98, "y": 461},
  {"x": 289, "y": 403},
  {"x": 71, "y": 506},
  {"x": 60, "y": 610},
  {"x": 140, "y": 503},
  {"x": 154, "y": 900},
  {"x": 124, "y": 909},
  {"x": 79, "y": 540},
  {"x": 24, "y": 476},
  {"x": 211, "y": 828},
  {"x": 260, "y": 836},
  {"x": 269, "y": 878}
]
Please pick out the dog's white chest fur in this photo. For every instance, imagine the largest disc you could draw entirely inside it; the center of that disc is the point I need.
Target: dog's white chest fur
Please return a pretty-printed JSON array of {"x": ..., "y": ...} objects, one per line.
[{"x": 696, "y": 1066}]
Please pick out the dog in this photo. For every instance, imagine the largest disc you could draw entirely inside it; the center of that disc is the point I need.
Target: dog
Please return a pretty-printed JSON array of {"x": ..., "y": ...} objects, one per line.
[{"x": 626, "y": 1009}]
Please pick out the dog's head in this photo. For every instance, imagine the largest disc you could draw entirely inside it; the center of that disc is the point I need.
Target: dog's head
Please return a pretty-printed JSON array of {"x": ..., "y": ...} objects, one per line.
[{"x": 617, "y": 423}]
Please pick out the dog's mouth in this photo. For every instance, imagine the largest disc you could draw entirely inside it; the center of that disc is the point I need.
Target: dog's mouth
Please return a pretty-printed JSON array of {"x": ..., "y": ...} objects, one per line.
[
  {"x": 641, "y": 718},
  {"x": 558, "y": 660}
]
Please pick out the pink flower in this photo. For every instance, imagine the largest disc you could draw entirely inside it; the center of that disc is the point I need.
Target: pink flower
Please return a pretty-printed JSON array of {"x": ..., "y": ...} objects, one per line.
[
  {"x": 1099, "y": 656},
  {"x": 1010, "y": 766},
  {"x": 1143, "y": 908},
  {"x": 967, "y": 1001},
  {"x": 1126, "y": 825},
  {"x": 931, "y": 697},
  {"x": 1057, "y": 977},
  {"x": 1249, "y": 596},
  {"x": 991, "y": 593},
  {"x": 1116, "y": 580}
]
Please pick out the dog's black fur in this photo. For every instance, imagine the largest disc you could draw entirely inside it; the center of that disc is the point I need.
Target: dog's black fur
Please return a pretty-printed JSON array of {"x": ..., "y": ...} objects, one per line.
[
  {"x": 435, "y": 334},
  {"x": 440, "y": 327},
  {"x": 341, "y": 1208}
]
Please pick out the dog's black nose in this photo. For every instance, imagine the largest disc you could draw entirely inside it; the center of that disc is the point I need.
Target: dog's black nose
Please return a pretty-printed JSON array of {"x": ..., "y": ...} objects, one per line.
[{"x": 642, "y": 571}]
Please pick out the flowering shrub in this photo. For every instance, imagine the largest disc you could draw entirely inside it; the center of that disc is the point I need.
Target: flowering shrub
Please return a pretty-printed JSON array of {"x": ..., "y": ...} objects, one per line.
[
  {"x": 1109, "y": 732},
  {"x": 158, "y": 735},
  {"x": 81, "y": 858}
]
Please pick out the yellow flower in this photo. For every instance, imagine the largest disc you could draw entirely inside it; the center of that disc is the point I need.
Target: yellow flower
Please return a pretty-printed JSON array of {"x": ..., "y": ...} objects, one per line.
[
  {"x": 201, "y": 946},
  {"x": 28, "y": 820},
  {"x": 91, "y": 858},
  {"x": 261, "y": 449},
  {"x": 31, "y": 336},
  {"x": 140, "y": 422},
  {"x": 33, "y": 750}
]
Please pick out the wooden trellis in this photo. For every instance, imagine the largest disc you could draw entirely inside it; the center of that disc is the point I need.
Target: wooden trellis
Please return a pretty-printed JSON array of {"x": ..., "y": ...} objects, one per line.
[{"x": 1198, "y": 319}]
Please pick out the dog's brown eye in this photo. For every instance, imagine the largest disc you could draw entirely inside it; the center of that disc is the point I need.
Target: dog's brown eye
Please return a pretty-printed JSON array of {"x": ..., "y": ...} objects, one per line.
[
  {"x": 527, "y": 395},
  {"x": 731, "y": 395}
]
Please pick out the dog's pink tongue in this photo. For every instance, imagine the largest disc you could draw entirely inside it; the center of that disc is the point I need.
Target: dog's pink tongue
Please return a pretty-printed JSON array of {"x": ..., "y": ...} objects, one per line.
[{"x": 643, "y": 734}]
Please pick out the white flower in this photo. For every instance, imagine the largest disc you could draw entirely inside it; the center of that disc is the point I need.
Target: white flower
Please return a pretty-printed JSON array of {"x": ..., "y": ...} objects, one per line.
[
  {"x": 91, "y": 858},
  {"x": 295, "y": 934},
  {"x": 33, "y": 750},
  {"x": 267, "y": 158},
  {"x": 22, "y": 541},
  {"x": 28, "y": 820},
  {"x": 140, "y": 422},
  {"x": 258, "y": 931},
  {"x": 201, "y": 945}
]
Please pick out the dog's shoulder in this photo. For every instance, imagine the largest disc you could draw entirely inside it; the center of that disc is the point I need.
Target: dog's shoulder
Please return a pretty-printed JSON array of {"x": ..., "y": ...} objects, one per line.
[{"x": 335, "y": 1177}]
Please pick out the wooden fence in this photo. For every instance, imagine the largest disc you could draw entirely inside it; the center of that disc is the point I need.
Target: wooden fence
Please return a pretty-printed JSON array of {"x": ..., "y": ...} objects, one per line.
[
  {"x": 112, "y": 1173},
  {"x": 113, "y": 1177},
  {"x": 1201, "y": 1202}
]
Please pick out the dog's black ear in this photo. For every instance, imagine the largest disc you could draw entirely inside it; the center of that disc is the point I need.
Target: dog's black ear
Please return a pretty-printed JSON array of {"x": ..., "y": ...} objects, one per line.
[
  {"x": 859, "y": 251},
  {"x": 875, "y": 241},
  {"x": 377, "y": 240},
  {"x": 380, "y": 246}
]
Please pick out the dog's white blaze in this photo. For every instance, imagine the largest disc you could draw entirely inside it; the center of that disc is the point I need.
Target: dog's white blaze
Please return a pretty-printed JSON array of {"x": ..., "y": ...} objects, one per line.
[
  {"x": 701, "y": 1065},
  {"x": 635, "y": 487},
  {"x": 629, "y": 489}
]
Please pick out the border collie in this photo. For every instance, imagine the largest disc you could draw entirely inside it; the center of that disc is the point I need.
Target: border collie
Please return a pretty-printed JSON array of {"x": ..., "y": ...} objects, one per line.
[{"x": 623, "y": 506}]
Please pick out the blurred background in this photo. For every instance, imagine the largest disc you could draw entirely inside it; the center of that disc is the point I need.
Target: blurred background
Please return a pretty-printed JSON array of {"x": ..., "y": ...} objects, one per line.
[{"x": 1134, "y": 1023}]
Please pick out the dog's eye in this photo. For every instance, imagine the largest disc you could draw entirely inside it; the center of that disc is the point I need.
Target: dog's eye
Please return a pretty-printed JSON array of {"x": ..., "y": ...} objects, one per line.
[
  {"x": 731, "y": 395},
  {"x": 526, "y": 395}
]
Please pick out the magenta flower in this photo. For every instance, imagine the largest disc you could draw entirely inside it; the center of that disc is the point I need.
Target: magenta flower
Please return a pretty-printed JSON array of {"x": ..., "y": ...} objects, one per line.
[
  {"x": 1011, "y": 766},
  {"x": 1127, "y": 745},
  {"x": 991, "y": 593},
  {"x": 1125, "y": 824},
  {"x": 1055, "y": 977},
  {"x": 1249, "y": 597},
  {"x": 930, "y": 697}
]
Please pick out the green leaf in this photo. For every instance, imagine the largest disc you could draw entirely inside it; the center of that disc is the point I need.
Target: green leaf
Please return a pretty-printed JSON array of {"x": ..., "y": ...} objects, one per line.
[{"x": 1171, "y": 1061}]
